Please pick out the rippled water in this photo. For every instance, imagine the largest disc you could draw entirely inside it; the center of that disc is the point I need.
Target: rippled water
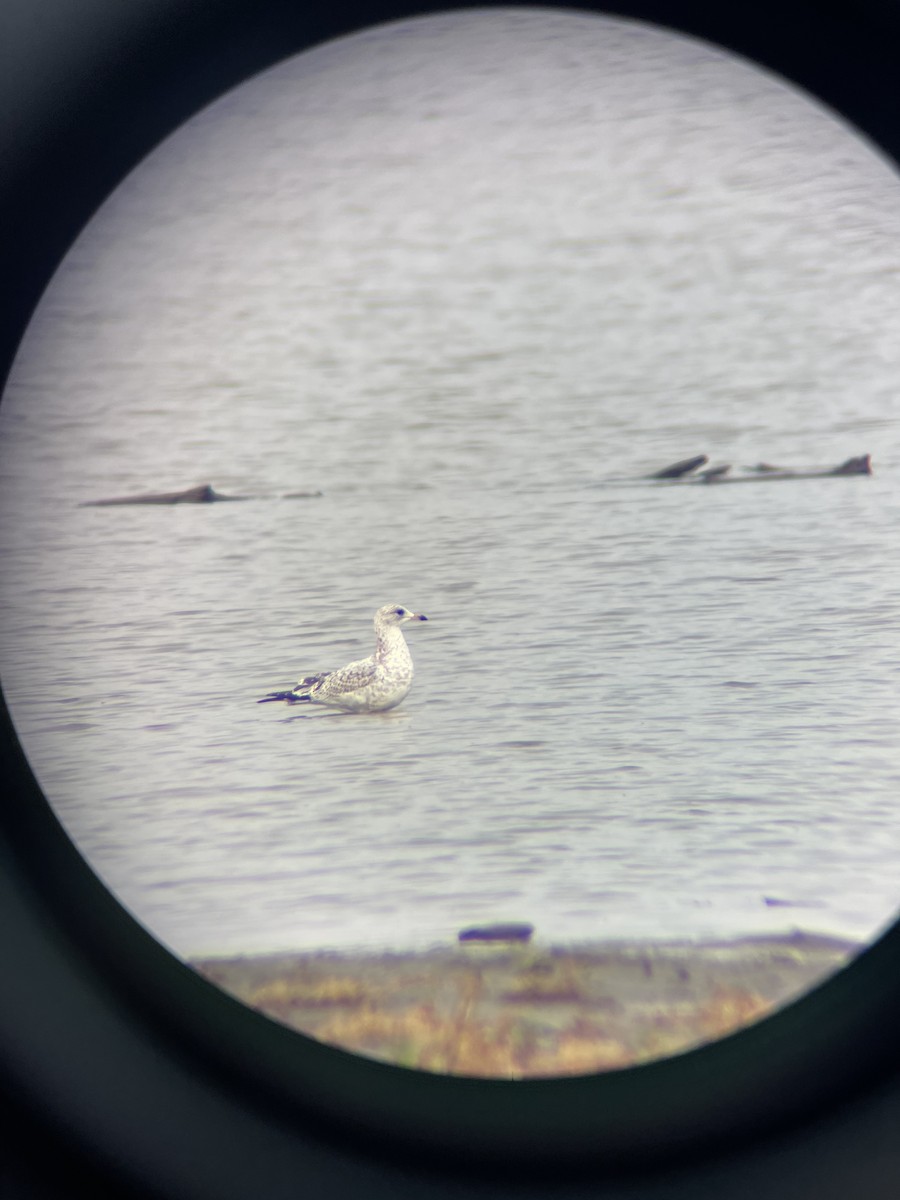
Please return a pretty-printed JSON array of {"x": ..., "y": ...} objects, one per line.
[{"x": 471, "y": 277}]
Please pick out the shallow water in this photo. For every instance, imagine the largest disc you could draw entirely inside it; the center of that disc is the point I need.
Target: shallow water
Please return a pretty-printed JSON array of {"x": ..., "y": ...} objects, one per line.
[{"x": 472, "y": 307}]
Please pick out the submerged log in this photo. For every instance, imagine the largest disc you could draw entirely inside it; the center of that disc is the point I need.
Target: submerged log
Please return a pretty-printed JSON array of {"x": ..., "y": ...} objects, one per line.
[
  {"x": 714, "y": 474},
  {"x": 686, "y": 471},
  {"x": 681, "y": 468},
  {"x": 203, "y": 494},
  {"x": 861, "y": 465}
]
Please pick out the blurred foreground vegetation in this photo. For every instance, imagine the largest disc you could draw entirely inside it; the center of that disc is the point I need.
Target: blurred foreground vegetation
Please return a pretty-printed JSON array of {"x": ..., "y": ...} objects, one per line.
[{"x": 515, "y": 1012}]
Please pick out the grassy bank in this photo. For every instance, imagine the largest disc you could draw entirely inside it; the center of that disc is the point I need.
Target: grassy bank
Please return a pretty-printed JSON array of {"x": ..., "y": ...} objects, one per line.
[{"x": 507, "y": 1011}]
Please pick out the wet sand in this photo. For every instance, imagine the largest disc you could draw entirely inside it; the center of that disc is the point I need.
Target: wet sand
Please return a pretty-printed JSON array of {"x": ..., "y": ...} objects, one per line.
[{"x": 506, "y": 1010}]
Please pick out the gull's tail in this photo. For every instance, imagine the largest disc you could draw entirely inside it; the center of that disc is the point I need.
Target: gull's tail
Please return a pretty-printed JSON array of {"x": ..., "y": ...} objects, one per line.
[{"x": 298, "y": 693}]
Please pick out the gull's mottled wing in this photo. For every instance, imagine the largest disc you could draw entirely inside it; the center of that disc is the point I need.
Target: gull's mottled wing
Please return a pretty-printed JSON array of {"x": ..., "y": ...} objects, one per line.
[
  {"x": 348, "y": 679},
  {"x": 309, "y": 681}
]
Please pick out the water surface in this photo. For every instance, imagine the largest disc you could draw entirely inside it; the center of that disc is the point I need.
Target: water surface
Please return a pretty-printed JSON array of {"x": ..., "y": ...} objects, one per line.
[{"x": 472, "y": 277}]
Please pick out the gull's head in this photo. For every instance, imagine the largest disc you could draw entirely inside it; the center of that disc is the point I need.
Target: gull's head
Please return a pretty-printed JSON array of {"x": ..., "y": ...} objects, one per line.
[{"x": 396, "y": 614}]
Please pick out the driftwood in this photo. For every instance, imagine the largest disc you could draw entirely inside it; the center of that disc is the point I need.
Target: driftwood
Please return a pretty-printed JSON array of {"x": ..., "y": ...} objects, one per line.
[{"x": 686, "y": 471}]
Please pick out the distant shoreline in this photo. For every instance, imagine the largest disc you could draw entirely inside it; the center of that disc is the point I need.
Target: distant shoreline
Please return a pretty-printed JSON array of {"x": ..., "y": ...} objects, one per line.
[{"x": 514, "y": 1010}]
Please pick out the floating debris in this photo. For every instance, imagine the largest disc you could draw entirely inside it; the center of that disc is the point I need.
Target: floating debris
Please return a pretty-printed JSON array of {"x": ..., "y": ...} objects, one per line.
[{"x": 497, "y": 933}]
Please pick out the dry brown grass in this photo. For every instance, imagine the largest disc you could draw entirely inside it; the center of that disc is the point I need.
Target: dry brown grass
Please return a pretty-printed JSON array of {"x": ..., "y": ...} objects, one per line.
[
  {"x": 303, "y": 993},
  {"x": 730, "y": 1008},
  {"x": 516, "y": 1046},
  {"x": 556, "y": 983},
  {"x": 506, "y": 1049}
]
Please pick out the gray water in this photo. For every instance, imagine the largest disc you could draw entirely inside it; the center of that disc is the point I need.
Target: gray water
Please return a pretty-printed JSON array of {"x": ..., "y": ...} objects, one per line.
[{"x": 471, "y": 277}]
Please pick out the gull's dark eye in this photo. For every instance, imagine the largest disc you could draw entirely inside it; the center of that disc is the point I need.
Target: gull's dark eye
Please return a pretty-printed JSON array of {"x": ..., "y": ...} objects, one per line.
[{"x": 399, "y": 612}]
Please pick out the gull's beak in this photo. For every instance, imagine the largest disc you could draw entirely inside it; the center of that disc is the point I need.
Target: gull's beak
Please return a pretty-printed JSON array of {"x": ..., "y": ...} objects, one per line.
[{"x": 419, "y": 617}]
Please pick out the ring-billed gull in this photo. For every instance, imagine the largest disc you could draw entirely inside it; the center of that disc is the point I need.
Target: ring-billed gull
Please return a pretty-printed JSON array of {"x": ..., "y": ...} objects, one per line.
[{"x": 370, "y": 685}]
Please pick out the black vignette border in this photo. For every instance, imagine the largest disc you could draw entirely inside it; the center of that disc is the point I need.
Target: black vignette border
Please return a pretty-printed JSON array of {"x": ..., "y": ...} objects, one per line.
[{"x": 88, "y": 90}]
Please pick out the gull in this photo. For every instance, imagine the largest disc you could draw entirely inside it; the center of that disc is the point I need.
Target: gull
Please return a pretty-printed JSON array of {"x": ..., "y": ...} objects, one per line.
[{"x": 371, "y": 685}]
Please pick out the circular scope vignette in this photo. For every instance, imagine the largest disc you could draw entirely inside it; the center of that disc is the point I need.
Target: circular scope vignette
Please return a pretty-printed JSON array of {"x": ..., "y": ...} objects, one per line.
[{"x": 385, "y": 333}]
